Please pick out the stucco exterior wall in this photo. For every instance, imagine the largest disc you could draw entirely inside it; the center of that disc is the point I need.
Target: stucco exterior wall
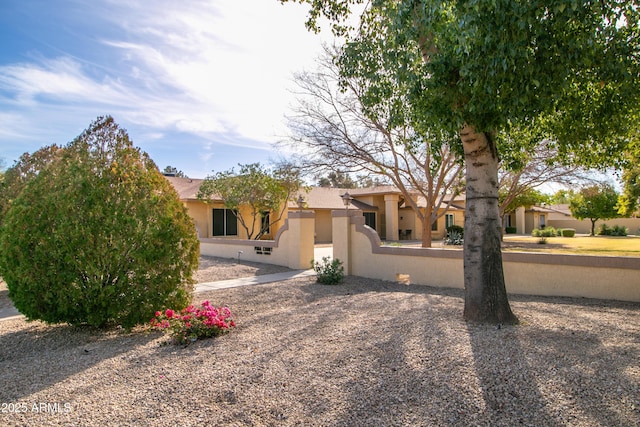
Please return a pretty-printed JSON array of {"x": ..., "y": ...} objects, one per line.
[
  {"x": 584, "y": 226},
  {"x": 292, "y": 247},
  {"x": 525, "y": 273},
  {"x": 323, "y": 226}
]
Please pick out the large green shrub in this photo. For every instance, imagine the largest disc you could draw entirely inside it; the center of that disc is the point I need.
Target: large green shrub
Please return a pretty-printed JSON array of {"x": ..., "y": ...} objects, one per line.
[
  {"x": 98, "y": 236},
  {"x": 568, "y": 232}
]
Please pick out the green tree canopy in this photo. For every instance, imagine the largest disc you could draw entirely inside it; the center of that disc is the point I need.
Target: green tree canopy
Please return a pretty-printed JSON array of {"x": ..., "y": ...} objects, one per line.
[
  {"x": 27, "y": 167},
  {"x": 628, "y": 201},
  {"x": 97, "y": 236},
  {"x": 255, "y": 188},
  {"x": 478, "y": 68},
  {"x": 595, "y": 202}
]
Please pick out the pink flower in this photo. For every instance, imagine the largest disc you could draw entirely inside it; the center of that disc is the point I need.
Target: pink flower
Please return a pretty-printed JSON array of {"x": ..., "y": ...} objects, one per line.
[
  {"x": 169, "y": 313},
  {"x": 158, "y": 313}
]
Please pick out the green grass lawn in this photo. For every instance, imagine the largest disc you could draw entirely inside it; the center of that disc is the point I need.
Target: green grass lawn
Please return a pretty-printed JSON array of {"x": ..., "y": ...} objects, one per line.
[{"x": 593, "y": 245}]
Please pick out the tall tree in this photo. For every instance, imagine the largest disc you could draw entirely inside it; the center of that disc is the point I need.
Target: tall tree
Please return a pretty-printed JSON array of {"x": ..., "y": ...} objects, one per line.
[
  {"x": 263, "y": 192},
  {"x": 97, "y": 235},
  {"x": 173, "y": 171},
  {"x": 333, "y": 127},
  {"x": 523, "y": 171},
  {"x": 593, "y": 203},
  {"x": 481, "y": 67},
  {"x": 630, "y": 197},
  {"x": 337, "y": 179}
]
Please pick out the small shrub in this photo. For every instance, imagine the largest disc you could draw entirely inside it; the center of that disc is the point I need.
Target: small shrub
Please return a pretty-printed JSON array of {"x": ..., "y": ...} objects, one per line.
[
  {"x": 455, "y": 229},
  {"x": 454, "y": 238},
  {"x": 545, "y": 232},
  {"x": 616, "y": 230},
  {"x": 511, "y": 230},
  {"x": 568, "y": 232},
  {"x": 329, "y": 272},
  {"x": 542, "y": 240},
  {"x": 191, "y": 323}
]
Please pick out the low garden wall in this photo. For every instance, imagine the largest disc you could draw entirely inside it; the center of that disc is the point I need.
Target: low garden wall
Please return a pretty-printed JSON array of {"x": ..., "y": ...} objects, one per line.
[
  {"x": 360, "y": 250},
  {"x": 600, "y": 277},
  {"x": 292, "y": 246}
]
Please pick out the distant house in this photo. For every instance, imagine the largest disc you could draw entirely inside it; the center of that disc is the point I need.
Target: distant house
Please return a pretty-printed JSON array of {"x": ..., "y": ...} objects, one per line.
[
  {"x": 212, "y": 218},
  {"x": 383, "y": 207}
]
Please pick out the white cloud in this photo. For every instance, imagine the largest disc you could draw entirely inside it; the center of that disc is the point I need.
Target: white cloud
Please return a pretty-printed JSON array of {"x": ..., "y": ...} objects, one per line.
[{"x": 210, "y": 71}]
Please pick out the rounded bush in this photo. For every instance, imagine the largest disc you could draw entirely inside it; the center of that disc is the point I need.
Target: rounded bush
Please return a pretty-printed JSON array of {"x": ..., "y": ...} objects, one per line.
[
  {"x": 98, "y": 237},
  {"x": 568, "y": 232}
]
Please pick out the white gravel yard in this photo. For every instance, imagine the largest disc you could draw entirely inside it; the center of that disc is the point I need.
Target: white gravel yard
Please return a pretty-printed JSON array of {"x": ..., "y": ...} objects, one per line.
[{"x": 363, "y": 353}]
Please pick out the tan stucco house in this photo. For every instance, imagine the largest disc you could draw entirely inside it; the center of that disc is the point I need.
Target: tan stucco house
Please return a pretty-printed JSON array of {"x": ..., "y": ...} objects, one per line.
[{"x": 383, "y": 207}]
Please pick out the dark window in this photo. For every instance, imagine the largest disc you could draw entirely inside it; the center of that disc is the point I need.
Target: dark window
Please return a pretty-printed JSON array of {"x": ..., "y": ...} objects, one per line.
[
  {"x": 225, "y": 222},
  {"x": 266, "y": 223},
  {"x": 434, "y": 225},
  {"x": 370, "y": 219},
  {"x": 449, "y": 220}
]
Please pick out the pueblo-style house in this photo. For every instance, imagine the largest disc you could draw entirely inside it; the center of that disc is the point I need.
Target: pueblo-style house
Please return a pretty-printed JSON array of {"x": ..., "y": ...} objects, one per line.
[{"x": 383, "y": 207}]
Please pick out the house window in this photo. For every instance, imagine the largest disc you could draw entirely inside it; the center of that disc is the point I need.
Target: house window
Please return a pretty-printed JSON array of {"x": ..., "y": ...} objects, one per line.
[
  {"x": 370, "y": 219},
  {"x": 449, "y": 220},
  {"x": 434, "y": 225},
  {"x": 225, "y": 222},
  {"x": 543, "y": 222},
  {"x": 265, "y": 223}
]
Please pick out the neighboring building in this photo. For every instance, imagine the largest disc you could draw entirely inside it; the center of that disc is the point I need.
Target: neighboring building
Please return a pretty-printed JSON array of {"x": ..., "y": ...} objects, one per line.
[
  {"x": 526, "y": 219},
  {"x": 383, "y": 207},
  {"x": 212, "y": 219}
]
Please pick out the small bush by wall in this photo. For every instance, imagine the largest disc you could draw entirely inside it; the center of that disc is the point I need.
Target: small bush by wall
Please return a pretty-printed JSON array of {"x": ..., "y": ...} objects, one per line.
[
  {"x": 616, "y": 230},
  {"x": 568, "y": 232},
  {"x": 329, "y": 272},
  {"x": 511, "y": 230},
  {"x": 545, "y": 232}
]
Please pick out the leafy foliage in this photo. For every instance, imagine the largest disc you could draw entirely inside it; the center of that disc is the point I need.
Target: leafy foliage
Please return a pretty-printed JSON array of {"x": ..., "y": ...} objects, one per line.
[
  {"x": 544, "y": 232},
  {"x": 193, "y": 323},
  {"x": 616, "y": 230},
  {"x": 567, "y": 68},
  {"x": 329, "y": 272},
  {"x": 256, "y": 188},
  {"x": 595, "y": 202},
  {"x": 454, "y": 237},
  {"x": 27, "y": 167},
  {"x": 97, "y": 236}
]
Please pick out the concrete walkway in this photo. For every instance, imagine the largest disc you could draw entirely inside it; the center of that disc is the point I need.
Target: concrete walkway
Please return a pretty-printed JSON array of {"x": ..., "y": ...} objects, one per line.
[
  {"x": 12, "y": 313},
  {"x": 254, "y": 280}
]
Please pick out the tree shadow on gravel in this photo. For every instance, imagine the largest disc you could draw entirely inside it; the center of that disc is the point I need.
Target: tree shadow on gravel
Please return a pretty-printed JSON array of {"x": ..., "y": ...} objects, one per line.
[
  {"x": 367, "y": 352},
  {"x": 38, "y": 356}
]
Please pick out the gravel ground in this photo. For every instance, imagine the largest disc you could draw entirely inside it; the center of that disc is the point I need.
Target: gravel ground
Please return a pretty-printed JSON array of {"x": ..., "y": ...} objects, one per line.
[{"x": 362, "y": 353}]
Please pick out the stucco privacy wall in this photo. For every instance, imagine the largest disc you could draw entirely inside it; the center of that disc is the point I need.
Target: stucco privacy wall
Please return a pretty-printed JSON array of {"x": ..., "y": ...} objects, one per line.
[
  {"x": 358, "y": 247},
  {"x": 292, "y": 246}
]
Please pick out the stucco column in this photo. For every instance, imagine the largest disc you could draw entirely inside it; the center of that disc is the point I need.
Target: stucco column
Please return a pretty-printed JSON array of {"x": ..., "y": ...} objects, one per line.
[
  {"x": 341, "y": 236},
  {"x": 391, "y": 211},
  {"x": 520, "y": 226},
  {"x": 302, "y": 230}
]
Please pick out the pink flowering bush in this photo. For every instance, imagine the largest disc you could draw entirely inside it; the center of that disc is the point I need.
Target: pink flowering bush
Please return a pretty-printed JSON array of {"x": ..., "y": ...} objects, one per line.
[{"x": 192, "y": 323}]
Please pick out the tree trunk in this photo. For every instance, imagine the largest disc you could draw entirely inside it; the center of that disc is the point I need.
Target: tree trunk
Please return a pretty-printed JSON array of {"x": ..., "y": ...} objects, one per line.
[
  {"x": 485, "y": 292},
  {"x": 427, "y": 235}
]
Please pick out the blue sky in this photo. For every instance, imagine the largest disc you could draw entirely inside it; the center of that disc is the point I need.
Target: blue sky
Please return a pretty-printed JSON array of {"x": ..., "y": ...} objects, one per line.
[{"x": 201, "y": 85}]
